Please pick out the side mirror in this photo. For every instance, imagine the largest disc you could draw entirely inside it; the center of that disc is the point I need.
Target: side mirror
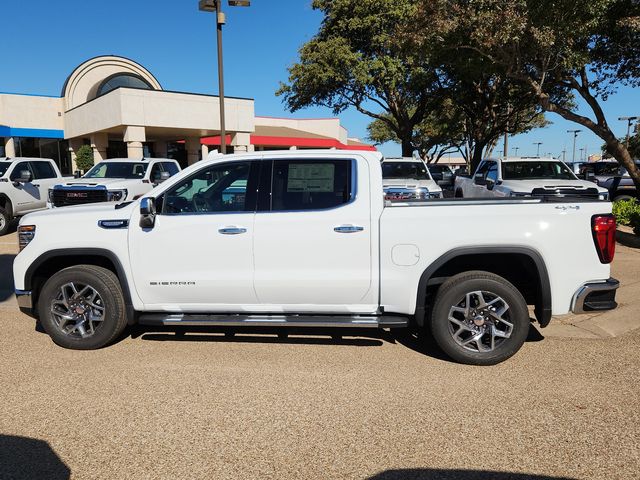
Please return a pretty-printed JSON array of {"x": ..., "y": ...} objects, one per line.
[
  {"x": 590, "y": 176},
  {"x": 490, "y": 184},
  {"x": 77, "y": 174},
  {"x": 164, "y": 176},
  {"x": 479, "y": 179},
  {"x": 25, "y": 176},
  {"x": 147, "y": 212},
  {"x": 447, "y": 179}
]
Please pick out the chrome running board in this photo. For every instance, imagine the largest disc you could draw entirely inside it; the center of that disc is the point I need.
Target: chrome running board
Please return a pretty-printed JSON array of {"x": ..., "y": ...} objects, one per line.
[{"x": 261, "y": 320}]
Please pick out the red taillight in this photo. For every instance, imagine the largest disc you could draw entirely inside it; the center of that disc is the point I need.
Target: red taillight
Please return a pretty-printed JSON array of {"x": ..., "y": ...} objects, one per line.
[{"x": 604, "y": 236}]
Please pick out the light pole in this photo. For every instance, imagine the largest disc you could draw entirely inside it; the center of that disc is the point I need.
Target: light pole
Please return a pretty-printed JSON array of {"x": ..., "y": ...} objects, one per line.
[
  {"x": 581, "y": 150},
  {"x": 575, "y": 135},
  {"x": 538, "y": 144},
  {"x": 216, "y": 7},
  {"x": 516, "y": 149},
  {"x": 629, "y": 121}
]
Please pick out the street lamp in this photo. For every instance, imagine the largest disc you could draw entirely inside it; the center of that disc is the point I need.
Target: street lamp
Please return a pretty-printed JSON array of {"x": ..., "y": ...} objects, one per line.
[
  {"x": 516, "y": 149},
  {"x": 216, "y": 6},
  {"x": 629, "y": 121},
  {"x": 538, "y": 144},
  {"x": 575, "y": 135}
]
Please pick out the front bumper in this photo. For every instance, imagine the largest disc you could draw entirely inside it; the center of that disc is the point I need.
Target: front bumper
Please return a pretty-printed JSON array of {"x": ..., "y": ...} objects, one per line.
[{"x": 595, "y": 297}]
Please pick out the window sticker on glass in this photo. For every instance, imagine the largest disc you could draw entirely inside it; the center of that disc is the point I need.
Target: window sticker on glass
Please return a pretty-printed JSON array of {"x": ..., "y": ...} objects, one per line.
[{"x": 304, "y": 177}]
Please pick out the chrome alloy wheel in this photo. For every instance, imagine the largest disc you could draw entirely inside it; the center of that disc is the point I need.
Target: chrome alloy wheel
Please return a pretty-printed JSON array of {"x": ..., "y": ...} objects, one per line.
[
  {"x": 480, "y": 321},
  {"x": 77, "y": 310},
  {"x": 3, "y": 222}
]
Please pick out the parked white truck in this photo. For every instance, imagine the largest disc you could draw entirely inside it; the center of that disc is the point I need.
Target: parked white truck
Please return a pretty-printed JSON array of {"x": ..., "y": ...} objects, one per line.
[
  {"x": 525, "y": 176},
  {"x": 307, "y": 239},
  {"x": 114, "y": 180},
  {"x": 408, "y": 178},
  {"x": 24, "y": 183}
]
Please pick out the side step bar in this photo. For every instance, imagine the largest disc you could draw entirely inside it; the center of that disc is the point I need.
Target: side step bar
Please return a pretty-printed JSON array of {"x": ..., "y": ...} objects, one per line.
[{"x": 260, "y": 320}]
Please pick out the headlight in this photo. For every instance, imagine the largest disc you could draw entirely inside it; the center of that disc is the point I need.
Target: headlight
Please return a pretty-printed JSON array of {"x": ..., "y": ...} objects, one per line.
[
  {"x": 116, "y": 195},
  {"x": 26, "y": 233},
  {"x": 604, "y": 196}
]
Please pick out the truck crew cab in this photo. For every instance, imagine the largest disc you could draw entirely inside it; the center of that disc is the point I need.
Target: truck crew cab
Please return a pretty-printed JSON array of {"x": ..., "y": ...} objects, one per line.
[{"x": 307, "y": 239}]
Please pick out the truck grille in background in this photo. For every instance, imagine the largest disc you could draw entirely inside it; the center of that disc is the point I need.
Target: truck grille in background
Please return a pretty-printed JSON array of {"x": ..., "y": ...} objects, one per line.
[
  {"x": 63, "y": 198},
  {"x": 566, "y": 192}
]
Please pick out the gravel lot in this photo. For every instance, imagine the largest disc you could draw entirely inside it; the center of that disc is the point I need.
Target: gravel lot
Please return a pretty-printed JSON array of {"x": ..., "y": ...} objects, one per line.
[{"x": 162, "y": 404}]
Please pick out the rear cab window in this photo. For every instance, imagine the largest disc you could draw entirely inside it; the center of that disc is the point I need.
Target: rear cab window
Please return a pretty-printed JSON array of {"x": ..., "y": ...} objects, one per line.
[{"x": 311, "y": 184}]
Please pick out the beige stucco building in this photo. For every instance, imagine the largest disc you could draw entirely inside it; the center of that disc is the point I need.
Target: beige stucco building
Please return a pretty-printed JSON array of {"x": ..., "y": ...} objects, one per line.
[{"x": 119, "y": 108}]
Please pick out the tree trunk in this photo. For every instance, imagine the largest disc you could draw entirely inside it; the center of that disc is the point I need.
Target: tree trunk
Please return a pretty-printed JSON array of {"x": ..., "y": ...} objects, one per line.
[
  {"x": 477, "y": 157},
  {"x": 407, "y": 147}
]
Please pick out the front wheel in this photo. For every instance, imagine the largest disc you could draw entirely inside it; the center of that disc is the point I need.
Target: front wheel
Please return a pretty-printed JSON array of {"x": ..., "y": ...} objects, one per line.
[
  {"x": 479, "y": 318},
  {"x": 82, "y": 307},
  {"x": 622, "y": 197},
  {"x": 5, "y": 221}
]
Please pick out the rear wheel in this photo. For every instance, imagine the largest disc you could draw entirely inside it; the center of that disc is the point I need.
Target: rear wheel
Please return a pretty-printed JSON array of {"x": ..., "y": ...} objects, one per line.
[
  {"x": 618, "y": 198},
  {"x": 5, "y": 221},
  {"x": 82, "y": 307},
  {"x": 479, "y": 318}
]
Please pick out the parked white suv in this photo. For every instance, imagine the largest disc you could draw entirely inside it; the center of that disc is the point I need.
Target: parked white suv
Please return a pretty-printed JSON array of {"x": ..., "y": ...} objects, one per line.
[
  {"x": 305, "y": 238},
  {"x": 114, "y": 180},
  {"x": 408, "y": 178},
  {"x": 24, "y": 183},
  {"x": 525, "y": 176}
]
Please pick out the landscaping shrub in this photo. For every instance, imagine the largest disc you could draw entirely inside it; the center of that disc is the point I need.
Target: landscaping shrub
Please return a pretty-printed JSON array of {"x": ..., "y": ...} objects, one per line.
[
  {"x": 84, "y": 158},
  {"x": 624, "y": 210}
]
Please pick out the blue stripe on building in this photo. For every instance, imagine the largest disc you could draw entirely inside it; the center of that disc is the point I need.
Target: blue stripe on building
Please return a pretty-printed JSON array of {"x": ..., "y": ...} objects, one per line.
[{"x": 30, "y": 132}]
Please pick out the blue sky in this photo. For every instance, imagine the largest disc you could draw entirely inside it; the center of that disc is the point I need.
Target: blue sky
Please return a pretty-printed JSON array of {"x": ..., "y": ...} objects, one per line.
[{"x": 46, "y": 40}]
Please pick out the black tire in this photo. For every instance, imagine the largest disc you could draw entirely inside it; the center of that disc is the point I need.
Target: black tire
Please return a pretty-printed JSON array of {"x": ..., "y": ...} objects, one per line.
[
  {"x": 458, "y": 194},
  {"x": 110, "y": 299},
  {"x": 617, "y": 198},
  {"x": 453, "y": 294},
  {"x": 5, "y": 222}
]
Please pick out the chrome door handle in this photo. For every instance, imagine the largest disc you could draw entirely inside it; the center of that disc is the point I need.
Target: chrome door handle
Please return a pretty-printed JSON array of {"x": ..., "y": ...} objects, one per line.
[
  {"x": 348, "y": 229},
  {"x": 232, "y": 230}
]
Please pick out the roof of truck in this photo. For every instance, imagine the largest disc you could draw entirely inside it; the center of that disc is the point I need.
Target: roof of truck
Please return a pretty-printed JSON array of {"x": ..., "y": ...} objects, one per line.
[
  {"x": 137, "y": 160},
  {"x": 527, "y": 159},
  {"x": 15, "y": 159}
]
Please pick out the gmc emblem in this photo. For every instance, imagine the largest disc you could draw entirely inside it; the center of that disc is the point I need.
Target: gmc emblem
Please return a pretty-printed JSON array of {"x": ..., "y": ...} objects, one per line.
[{"x": 76, "y": 195}]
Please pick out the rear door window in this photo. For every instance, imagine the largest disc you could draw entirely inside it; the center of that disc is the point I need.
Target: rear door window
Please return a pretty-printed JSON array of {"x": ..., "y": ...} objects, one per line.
[
  {"x": 311, "y": 184},
  {"x": 42, "y": 170},
  {"x": 170, "y": 167}
]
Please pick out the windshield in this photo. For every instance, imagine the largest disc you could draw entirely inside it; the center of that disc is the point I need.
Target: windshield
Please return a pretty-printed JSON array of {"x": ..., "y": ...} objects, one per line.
[
  {"x": 117, "y": 170},
  {"x": 3, "y": 168},
  {"x": 413, "y": 170},
  {"x": 536, "y": 171}
]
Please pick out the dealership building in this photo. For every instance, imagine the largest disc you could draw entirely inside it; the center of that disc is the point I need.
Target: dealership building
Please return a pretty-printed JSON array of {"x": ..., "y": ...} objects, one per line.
[{"x": 120, "y": 109}]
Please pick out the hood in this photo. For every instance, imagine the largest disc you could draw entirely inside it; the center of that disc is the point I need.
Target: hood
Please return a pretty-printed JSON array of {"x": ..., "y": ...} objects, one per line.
[
  {"x": 527, "y": 186},
  {"x": 107, "y": 182},
  {"x": 411, "y": 183},
  {"x": 100, "y": 210}
]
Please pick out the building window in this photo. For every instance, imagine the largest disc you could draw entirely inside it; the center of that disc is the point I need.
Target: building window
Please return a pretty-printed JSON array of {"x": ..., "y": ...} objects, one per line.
[
  {"x": 2, "y": 152},
  {"x": 128, "y": 80}
]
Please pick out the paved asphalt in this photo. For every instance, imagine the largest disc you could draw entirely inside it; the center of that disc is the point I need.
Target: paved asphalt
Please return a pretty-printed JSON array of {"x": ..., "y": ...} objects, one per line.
[{"x": 163, "y": 404}]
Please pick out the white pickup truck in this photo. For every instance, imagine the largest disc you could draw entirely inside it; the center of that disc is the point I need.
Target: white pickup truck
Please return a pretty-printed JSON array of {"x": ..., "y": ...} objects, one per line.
[
  {"x": 525, "y": 176},
  {"x": 408, "y": 178},
  {"x": 114, "y": 180},
  {"x": 24, "y": 183},
  {"x": 307, "y": 239}
]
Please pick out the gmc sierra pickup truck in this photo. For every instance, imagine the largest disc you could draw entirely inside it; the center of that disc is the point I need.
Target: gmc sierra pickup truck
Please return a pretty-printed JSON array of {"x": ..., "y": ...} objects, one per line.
[
  {"x": 307, "y": 239},
  {"x": 525, "y": 176},
  {"x": 24, "y": 183},
  {"x": 114, "y": 180},
  {"x": 408, "y": 178}
]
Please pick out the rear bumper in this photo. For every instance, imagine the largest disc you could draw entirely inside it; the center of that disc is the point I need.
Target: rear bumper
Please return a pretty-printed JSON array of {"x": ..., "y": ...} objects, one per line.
[{"x": 595, "y": 297}]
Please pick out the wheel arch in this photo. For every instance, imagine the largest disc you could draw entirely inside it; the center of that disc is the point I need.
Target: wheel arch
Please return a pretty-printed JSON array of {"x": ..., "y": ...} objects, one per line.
[
  {"x": 53, "y": 261},
  {"x": 507, "y": 261}
]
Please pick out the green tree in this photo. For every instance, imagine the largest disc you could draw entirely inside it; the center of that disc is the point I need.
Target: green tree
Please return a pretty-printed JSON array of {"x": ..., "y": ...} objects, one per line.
[
  {"x": 84, "y": 158},
  {"x": 584, "y": 47},
  {"x": 362, "y": 57},
  {"x": 440, "y": 132}
]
